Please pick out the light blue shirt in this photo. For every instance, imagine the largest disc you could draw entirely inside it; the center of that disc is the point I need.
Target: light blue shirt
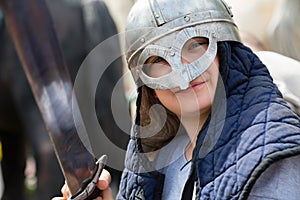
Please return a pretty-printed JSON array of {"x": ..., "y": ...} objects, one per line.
[
  {"x": 175, "y": 167},
  {"x": 281, "y": 181}
]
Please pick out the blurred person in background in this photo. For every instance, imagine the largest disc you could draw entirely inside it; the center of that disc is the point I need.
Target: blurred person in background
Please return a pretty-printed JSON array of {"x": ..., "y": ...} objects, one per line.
[{"x": 80, "y": 25}]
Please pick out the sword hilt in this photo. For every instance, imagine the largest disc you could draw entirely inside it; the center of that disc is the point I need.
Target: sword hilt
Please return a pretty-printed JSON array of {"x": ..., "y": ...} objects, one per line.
[{"x": 91, "y": 191}]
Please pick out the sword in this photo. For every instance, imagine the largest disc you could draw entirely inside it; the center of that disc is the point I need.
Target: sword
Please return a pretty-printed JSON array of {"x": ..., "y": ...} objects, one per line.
[{"x": 35, "y": 39}]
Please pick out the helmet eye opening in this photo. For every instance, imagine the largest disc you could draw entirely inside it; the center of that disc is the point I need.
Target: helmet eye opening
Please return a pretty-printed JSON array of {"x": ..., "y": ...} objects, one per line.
[
  {"x": 193, "y": 49},
  {"x": 156, "y": 66}
]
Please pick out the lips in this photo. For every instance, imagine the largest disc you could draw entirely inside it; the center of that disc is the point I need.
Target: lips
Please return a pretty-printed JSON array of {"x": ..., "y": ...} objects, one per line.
[{"x": 193, "y": 86}]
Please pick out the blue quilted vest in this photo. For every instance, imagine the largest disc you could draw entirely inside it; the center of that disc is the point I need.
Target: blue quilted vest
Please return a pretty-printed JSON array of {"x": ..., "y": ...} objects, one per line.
[{"x": 257, "y": 130}]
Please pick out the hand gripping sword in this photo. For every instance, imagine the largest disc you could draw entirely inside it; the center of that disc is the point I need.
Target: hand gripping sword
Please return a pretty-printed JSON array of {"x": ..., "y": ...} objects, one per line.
[{"x": 32, "y": 31}]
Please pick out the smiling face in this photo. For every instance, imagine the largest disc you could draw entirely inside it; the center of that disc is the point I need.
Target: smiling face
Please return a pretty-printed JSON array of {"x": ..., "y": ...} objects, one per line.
[{"x": 197, "y": 98}]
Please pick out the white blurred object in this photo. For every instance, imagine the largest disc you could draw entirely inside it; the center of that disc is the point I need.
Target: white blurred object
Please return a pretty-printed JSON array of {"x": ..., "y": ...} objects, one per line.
[
  {"x": 286, "y": 74},
  {"x": 254, "y": 16},
  {"x": 283, "y": 31}
]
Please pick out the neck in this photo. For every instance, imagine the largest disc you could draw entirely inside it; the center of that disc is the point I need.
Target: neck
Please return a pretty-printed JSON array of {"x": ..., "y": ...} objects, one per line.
[{"x": 193, "y": 125}]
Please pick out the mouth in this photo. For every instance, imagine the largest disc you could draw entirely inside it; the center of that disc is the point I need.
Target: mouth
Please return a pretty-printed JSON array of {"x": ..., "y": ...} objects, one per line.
[
  {"x": 197, "y": 84},
  {"x": 193, "y": 86}
]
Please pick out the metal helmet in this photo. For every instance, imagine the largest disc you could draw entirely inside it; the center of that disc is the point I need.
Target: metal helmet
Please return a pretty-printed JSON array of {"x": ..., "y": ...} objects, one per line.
[{"x": 162, "y": 27}]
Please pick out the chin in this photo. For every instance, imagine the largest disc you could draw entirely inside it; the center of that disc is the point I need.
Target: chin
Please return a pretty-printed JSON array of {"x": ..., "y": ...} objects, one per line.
[{"x": 194, "y": 109}]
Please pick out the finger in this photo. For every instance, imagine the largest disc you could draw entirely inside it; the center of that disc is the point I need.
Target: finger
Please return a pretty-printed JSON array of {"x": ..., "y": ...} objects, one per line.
[
  {"x": 104, "y": 180},
  {"x": 65, "y": 191},
  {"x": 107, "y": 194}
]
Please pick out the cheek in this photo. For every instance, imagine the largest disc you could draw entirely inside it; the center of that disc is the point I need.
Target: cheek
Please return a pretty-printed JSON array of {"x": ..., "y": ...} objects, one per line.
[
  {"x": 158, "y": 70},
  {"x": 214, "y": 73},
  {"x": 168, "y": 99}
]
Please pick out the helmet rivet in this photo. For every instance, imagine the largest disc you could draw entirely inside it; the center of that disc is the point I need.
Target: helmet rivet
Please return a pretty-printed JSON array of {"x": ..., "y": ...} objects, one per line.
[
  {"x": 156, "y": 16},
  {"x": 143, "y": 40},
  {"x": 172, "y": 53},
  {"x": 187, "y": 18}
]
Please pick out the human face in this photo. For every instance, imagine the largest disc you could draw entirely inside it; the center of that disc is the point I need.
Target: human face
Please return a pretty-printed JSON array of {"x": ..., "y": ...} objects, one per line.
[{"x": 196, "y": 100}]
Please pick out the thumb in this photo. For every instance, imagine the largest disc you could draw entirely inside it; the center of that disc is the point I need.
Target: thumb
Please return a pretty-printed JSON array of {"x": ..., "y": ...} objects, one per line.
[{"x": 104, "y": 180}]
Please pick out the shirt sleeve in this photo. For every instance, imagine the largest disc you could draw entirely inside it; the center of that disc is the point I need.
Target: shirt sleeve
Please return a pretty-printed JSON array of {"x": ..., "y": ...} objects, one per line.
[{"x": 280, "y": 181}]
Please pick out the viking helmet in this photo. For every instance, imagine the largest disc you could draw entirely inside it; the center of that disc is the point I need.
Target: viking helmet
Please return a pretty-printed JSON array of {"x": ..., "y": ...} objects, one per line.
[{"x": 162, "y": 27}]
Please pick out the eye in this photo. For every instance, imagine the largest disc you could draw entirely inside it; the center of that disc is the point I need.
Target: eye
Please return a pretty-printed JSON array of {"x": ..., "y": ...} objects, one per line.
[
  {"x": 197, "y": 43},
  {"x": 155, "y": 59},
  {"x": 193, "y": 49},
  {"x": 156, "y": 67}
]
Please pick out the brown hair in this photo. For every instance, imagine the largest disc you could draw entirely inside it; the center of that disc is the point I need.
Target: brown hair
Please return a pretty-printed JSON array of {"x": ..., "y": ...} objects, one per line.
[{"x": 170, "y": 127}]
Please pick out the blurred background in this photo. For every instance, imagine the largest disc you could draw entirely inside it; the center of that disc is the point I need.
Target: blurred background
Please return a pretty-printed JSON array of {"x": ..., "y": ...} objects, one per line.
[{"x": 29, "y": 169}]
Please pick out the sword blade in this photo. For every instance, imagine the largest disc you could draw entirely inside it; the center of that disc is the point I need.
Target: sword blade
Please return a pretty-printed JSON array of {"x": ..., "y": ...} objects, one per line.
[{"x": 32, "y": 31}]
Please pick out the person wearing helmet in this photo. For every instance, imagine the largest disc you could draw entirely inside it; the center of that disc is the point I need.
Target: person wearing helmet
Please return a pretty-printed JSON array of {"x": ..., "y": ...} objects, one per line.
[{"x": 210, "y": 123}]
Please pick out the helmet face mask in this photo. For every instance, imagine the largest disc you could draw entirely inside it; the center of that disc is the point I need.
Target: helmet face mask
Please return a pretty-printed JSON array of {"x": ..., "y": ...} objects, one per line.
[
  {"x": 181, "y": 74},
  {"x": 162, "y": 27}
]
